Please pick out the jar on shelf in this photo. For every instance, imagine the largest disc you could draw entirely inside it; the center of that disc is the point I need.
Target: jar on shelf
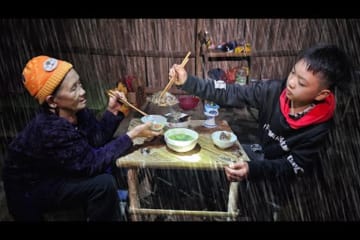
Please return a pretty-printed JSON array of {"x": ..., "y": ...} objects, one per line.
[{"x": 241, "y": 76}]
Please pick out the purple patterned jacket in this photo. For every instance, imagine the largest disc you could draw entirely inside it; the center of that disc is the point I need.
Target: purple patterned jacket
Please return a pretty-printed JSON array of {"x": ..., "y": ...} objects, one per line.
[{"x": 51, "y": 148}]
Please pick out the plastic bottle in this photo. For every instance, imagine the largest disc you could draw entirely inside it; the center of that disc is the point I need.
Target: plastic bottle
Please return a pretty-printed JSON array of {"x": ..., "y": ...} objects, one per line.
[
  {"x": 123, "y": 198},
  {"x": 241, "y": 76}
]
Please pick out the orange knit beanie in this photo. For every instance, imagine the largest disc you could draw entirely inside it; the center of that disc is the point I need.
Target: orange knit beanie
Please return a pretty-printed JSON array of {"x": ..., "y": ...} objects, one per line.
[{"x": 43, "y": 74}]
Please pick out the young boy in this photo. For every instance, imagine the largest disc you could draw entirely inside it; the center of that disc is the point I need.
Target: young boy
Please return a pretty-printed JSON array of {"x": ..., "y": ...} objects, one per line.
[{"x": 294, "y": 118}]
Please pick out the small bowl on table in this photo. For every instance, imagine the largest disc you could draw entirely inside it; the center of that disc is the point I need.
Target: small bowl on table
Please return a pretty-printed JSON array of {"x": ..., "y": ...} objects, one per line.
[
  {"x": 181, "y": 139},
  {"x": 188, "y": 102},
  {"x": 223, "y": 139},
  {"x": 178, "y": 120},
  {"x": 158, "y": 121}
]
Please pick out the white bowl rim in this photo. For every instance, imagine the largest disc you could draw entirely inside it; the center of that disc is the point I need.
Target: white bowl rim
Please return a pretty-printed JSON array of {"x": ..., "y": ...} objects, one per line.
[
  {"x": 220, "y": 131},
  {"x": 160, "y": 118},
  {"x": 177, "y": 130}
]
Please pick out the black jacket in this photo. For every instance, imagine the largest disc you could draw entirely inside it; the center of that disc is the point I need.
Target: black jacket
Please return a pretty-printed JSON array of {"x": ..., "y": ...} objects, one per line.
[{"x": 289, "y": 153}]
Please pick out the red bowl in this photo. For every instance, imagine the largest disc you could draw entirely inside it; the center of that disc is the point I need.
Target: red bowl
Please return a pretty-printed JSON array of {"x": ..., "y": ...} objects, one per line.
[{"x": 188, "y": 102}]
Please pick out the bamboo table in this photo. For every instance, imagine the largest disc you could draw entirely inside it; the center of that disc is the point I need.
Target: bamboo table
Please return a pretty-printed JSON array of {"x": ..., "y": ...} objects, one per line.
[{"x": 205, "y": 156}]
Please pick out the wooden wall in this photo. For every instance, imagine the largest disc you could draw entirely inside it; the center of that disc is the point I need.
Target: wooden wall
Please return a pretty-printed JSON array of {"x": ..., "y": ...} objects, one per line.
[{"x": 105, "y": 50}]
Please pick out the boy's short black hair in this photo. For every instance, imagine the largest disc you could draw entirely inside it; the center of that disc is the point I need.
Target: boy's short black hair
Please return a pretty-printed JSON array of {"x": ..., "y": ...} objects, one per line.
[{"x": 331, "y": 62}]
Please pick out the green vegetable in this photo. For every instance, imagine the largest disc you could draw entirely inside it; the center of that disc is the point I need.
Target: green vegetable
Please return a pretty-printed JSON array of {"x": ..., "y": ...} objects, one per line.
[{"x": 181, "y": 137}]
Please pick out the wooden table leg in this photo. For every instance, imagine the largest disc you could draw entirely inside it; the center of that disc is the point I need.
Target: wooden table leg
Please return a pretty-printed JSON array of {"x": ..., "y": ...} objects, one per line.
[{"x": 134, "y": 201}]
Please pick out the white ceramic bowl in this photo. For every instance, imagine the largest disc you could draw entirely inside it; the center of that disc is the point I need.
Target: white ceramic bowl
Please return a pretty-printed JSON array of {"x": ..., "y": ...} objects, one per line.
[
  {"x": 181, "y": 139},
  {"x": 223, "y": 139},
  {"x": 158, "y": 121}
]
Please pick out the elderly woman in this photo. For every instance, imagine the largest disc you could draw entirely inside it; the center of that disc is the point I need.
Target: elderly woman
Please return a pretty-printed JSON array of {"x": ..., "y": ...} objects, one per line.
[{"x": 65, "y": 156}]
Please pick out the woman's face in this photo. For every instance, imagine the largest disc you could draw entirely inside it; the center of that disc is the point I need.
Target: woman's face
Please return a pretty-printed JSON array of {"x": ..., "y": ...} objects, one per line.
[
  {"x": 303, "y": 87},
  {"x": 70, "y": 96}
]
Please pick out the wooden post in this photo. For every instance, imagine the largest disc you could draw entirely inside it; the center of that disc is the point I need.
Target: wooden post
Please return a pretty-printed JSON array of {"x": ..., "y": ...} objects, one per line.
[
  {"x": 198, "y": 68},
  {"x": 134, "y": 201},
  {"x": 233, "y": 197}
]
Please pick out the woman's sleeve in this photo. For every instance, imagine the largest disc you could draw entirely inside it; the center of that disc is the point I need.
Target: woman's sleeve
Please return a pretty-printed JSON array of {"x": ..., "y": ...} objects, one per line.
[
  {"x": 100, "y": 131},
  {"x": 73, "y": 155}
]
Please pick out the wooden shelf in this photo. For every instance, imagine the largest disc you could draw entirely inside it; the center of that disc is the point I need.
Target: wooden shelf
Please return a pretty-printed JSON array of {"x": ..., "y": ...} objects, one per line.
[
  {"x": 214, "y": 55},
  {"x": 217, "y": 54}
]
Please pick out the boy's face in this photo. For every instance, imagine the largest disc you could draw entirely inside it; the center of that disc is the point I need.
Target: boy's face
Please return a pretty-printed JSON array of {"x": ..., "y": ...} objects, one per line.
[
  {"x": 70, "y": 96},
  {"x": 303, "y": 87}
]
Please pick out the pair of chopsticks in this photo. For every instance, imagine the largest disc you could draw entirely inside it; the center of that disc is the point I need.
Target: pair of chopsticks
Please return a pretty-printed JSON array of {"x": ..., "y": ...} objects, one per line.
[
  {"x": 111, "y": 94},
  {"x": 170, "y": 83}
]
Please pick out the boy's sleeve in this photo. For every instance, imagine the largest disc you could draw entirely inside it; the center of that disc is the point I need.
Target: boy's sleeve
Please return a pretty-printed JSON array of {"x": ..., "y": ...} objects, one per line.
[{"x": 231, "y": 95}]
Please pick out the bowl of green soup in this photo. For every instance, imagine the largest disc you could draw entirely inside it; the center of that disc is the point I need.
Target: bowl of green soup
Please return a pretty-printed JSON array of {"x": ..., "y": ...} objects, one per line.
[{"x": 181, "y": 139}]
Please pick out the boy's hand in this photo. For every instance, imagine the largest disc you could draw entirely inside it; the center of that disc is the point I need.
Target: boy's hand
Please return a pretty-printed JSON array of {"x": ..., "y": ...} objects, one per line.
[
  {"x": 179, "y": 73},
  {"x": 237, "y": 171}
]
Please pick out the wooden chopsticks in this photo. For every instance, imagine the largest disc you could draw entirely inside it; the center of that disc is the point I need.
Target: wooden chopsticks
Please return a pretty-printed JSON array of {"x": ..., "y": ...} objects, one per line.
[
  {"x": 170, "y": 83},
  {"x": 111, "y": 94}
]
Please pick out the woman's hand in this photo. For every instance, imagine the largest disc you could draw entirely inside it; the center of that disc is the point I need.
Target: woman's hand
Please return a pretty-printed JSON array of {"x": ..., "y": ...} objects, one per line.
[
  {"x": 143, "y": 130},
  {"x": 179, "y": 73},
  {"x": 114, "y": 105},
  {"x": 237, "y": 172}
]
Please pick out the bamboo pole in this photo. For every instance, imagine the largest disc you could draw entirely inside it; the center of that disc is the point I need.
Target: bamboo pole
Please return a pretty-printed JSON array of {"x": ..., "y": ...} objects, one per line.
[{"x": 149, "y": 211}]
